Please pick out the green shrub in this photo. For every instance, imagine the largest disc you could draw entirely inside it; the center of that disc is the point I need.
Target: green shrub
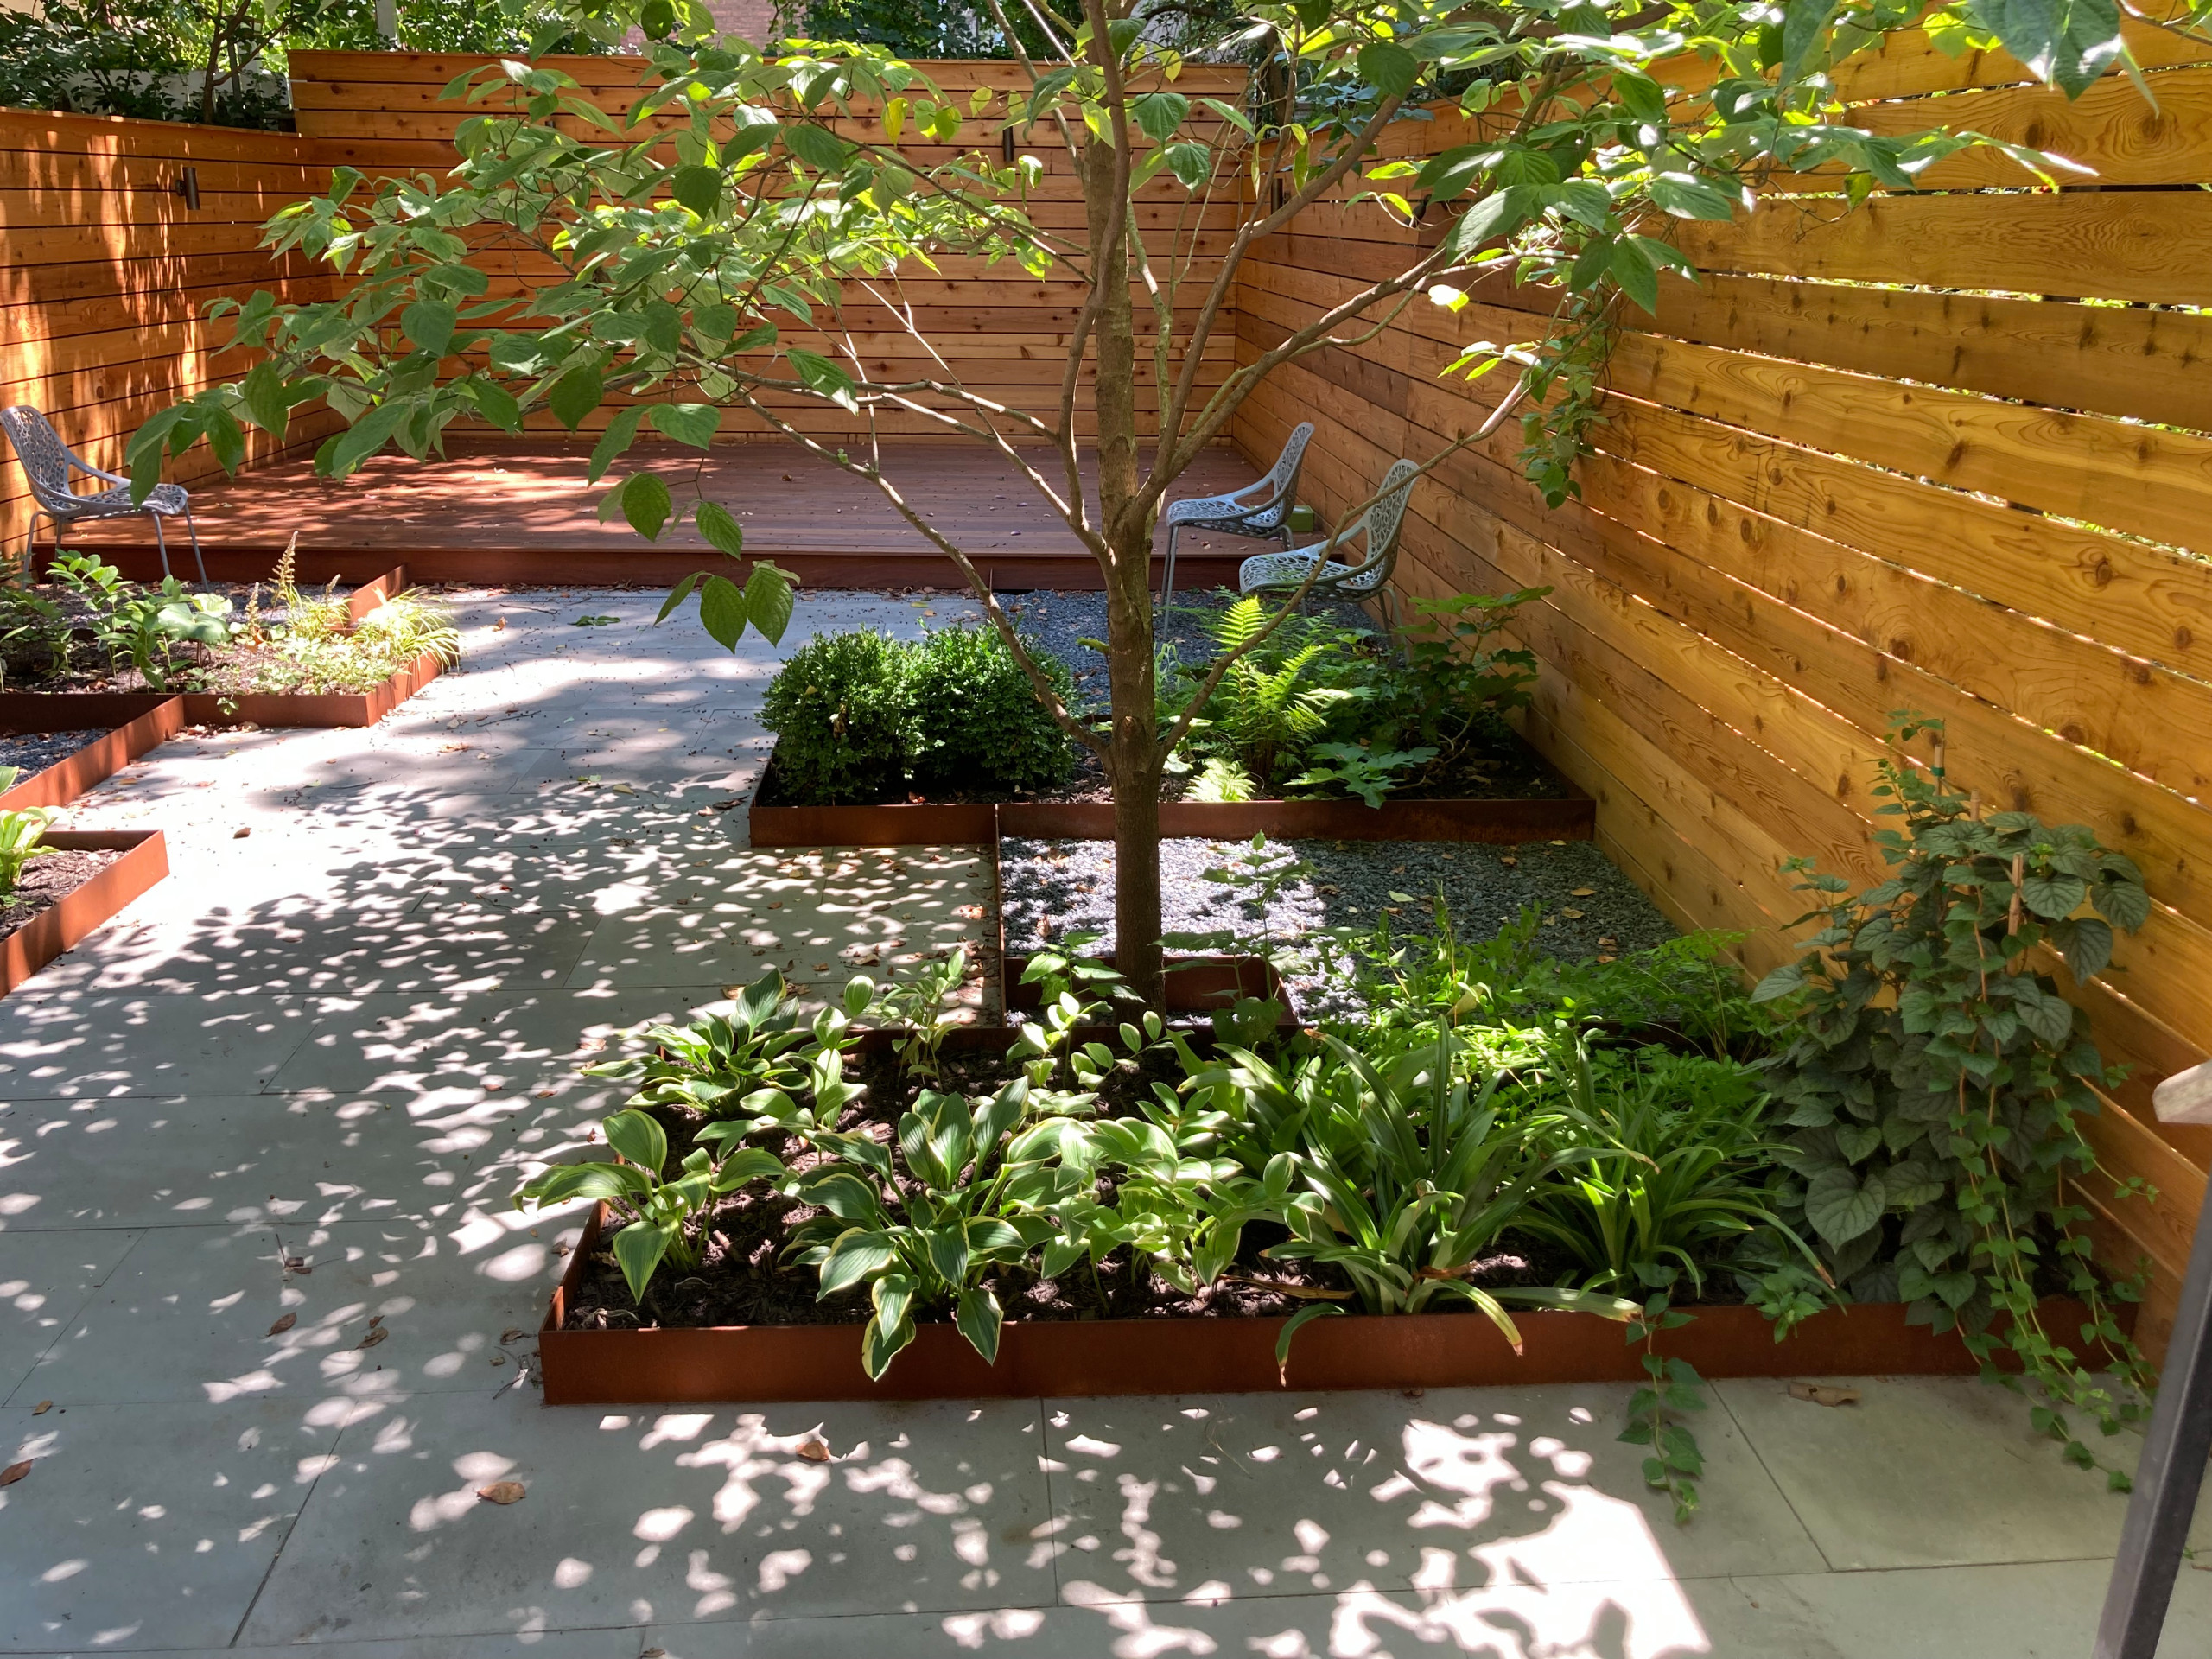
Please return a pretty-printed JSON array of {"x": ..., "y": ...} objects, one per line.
[
  {"x": 974, "y": 719},
  {"x": 838, "y": 709}
]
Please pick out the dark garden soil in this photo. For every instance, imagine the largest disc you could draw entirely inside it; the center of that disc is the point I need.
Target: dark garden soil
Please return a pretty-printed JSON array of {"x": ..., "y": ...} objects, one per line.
[
  {"x": 742, "y": 1279},
  {"x": 49, "y": 879}
]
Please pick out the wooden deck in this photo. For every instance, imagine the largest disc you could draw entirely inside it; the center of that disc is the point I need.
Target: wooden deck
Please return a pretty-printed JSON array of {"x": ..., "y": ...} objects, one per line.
[{"x": 513, "y": 513}]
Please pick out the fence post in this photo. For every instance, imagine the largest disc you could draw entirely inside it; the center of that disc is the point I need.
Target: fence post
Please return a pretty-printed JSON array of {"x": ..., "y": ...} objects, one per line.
[{"x": 2180, "y": 1437}]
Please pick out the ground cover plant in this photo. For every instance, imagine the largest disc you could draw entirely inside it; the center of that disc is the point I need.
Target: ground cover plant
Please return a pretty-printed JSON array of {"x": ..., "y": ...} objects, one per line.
[
  {"x": 89, "y": 627},
  {"x": 690, "y": 269},
  {"x": 1642, "y": 1137}
]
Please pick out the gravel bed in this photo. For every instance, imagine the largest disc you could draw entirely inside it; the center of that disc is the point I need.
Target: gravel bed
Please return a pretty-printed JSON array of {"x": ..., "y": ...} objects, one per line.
[
  {"x": 32, "y": 752},
  {"x": 1059, "y": 620},
  {"x": 1053, "y": 887}
]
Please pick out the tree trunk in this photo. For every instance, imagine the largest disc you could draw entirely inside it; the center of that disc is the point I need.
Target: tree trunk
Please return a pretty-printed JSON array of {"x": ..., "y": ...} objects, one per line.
[{"x": 1133, "y": 761}]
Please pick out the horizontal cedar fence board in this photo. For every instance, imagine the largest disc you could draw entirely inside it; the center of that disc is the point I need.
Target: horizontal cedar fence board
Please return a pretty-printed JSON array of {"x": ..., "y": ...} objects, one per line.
[
  {"x": 2121, "y": 135},
  {"x": 1814, "y": 504},
  {"x": 2106, "y": 360},
  {"x": 106, "y": 275},
  {"x": 2130, "y": 478},
  {"x": 2111, "y": 246}
]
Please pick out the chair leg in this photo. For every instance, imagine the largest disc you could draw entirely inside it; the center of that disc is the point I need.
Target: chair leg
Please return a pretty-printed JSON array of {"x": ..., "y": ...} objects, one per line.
[
  {"x": 192, "y": 530},
  {"x": 162, "y": 543},
  {"x": 30, "y": 548},
  {"x": 1168, "y": 581}
]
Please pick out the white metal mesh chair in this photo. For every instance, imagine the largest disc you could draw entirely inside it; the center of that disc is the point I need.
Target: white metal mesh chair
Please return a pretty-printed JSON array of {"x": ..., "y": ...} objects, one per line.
[
  {"x": 1378, "y": 529},
  {"x": 46, "y": 461},
  {"x": 1258, "y": 508}
]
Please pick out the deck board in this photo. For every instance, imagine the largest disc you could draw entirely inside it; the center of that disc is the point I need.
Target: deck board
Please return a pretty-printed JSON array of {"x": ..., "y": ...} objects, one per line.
[{"x": 509, "y": 512}]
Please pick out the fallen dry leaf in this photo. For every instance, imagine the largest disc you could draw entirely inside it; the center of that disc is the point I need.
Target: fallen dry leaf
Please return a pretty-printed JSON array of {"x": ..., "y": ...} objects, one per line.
[
  {"x": 501, "y": 1491},
  {"x": 13, "y": 1473},
  {"x": 240, "y": 834},
  {"x": 1585, "y": 892},
  {"x": 513, "y": 1333},
  {"x": 375, "y": 1319},
  {"x": 41, "y": 1408},
  {"x": 817, "y": 1450},
  {"x": 374, "y": 1337},
  {"x": 499, "y": 1359},
  {"x": 1824, "y": 1394},
  {"x": 500, "y": 625},
  {"x": 284, "y": 1322},
  {"x": 1571, "y": 915},
  {"x": 1509, "y": 863}
]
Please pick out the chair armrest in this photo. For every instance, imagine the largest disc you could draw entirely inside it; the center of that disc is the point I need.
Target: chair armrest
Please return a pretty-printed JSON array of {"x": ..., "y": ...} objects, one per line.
[{"x": 86, "y": 466}]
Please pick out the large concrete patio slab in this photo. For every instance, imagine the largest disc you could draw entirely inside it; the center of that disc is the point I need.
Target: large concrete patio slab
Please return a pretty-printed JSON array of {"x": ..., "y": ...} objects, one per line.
[{"x": 296, "y": 1085}]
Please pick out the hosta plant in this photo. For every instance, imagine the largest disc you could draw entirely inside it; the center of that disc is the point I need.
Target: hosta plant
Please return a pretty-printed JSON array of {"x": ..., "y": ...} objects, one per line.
[
  {"x": 1937, "y": 1081},
  {"x": 667, "y": 1218},
  {"x": 923, "y": 1221},
  {"x": 715, "y": 1064},
  {"x": 21, "y": 837}
]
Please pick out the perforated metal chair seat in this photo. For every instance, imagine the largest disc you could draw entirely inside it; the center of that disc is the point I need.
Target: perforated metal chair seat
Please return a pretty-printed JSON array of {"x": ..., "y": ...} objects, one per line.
[
  {"x": 47, "y": 462},
  {"x": 1379, "y": 527}
]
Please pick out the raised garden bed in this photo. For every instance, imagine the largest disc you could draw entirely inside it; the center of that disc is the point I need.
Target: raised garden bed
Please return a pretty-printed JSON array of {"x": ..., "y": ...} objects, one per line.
[
  {"x": 140, "y": 859},
  {"x": 133, "y": 730},
  {"x": 44, "y": 711},
  {"x": 1071, "y": 1359},
  {"x": 1502, "y": 823}
]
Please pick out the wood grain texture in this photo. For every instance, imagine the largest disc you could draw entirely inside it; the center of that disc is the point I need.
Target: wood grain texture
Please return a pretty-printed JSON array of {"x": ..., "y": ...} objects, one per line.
[{"x": 1829, "y": 485}]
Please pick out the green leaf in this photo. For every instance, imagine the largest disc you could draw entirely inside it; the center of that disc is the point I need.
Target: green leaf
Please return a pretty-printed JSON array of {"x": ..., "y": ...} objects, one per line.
[
  {"x": 881, "y": 1343},
  {"x": 2067, "y": 42},
  {"x": 1389, "y": 68},
  {"x": 857, "y": 1253},
  {"x": 1803, "y": 22},
  {"x": 430, "y": 324},
  {"x": 1295, "y": 1323},
  {"x": 824, "y": 379},
  {"x": 637, "y": 1138},
  {"x": 768, "y": 601},
  {"x": 2053, "y": 896},
  {"x": 1790, "y": 976},
  {"x": 1840, "y": 1208},
  {"x": 1634, "y": 272},
  {"x": 638, "y": 1248},
  {"x": 948, "y": 1252},
  {"x": 262, "y": 391},
  {"x": 699, "y": 189},
  {"x": 978, "y": 1316},
  {"x": 722, "y": 530},
  {"x": 646, "y": 502},
  {"x": 692, "y": 423},
  {"x": 621, "y": 432},
  {"x": 1687, "y": 196},
  {"x": 722, "y": 611},
  {"x": 681, "y": 592},
  {"x": 1158, "y": 114},
  {"x": 577, "y": 394},
  {"x": 817, "y": 147}
]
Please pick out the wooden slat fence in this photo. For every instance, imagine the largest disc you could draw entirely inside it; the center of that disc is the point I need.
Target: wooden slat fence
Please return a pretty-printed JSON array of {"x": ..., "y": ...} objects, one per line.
[
  {"x": 1979, "y": 490},
  {"x": 381, "y": 112},
  {"x": 105, "y": 276}
]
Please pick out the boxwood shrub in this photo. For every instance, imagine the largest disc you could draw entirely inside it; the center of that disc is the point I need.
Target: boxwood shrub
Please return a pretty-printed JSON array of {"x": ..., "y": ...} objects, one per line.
[{"x": 859, "y": 716}]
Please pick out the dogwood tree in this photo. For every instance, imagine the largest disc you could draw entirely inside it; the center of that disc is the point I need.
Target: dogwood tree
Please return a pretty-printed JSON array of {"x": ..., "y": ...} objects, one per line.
[{"x": 701, "y": 242}]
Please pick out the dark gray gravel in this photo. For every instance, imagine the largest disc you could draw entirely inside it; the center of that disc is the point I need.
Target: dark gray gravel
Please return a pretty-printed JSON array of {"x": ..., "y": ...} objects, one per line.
[
  {"x": 1060, "y": 620},
  {"x": 31, "y": 752},
  {"x": 1053, "y": 888}
]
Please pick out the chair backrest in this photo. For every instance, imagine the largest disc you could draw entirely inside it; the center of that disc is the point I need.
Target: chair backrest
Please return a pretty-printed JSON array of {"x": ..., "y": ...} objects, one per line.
[
  {"x": 1283, "y": 478},
  {"x": 45, "y": 457},
  {"x": 1380, "y": 525}
]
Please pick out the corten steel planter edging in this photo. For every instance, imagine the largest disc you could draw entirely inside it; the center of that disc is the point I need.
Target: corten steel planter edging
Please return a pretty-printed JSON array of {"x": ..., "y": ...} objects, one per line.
[
  {"x": 1074, "y": 1359},
  {"x": 1499, "y": 823},
  {"x": 98, "y": 761},
  {"x": 145, "y": 860},
  {"x": 324, "y": 710}
]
